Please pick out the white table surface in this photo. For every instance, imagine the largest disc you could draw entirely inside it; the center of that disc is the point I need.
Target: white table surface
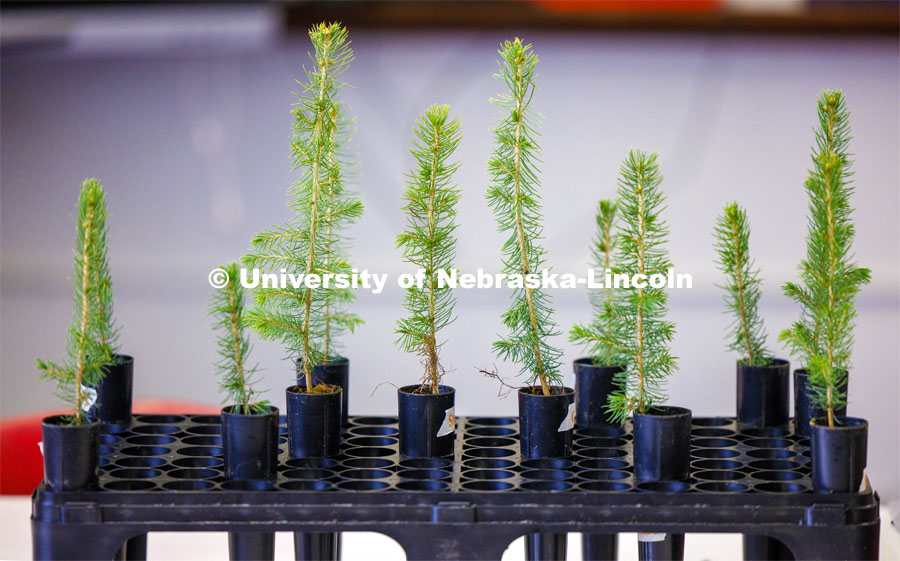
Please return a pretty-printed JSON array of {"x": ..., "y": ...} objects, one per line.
[{"x": 15, "y": 542}]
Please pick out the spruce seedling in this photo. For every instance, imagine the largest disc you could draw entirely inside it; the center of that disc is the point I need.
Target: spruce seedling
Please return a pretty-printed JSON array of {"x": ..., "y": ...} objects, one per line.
[
  {"x": 307, "y": 320},
  {"x": 830, "y": 279},
  {"x": 91, "y": 336},
  {"x": 513, "y": 196},
  {"x": 638, "y": 327},
  {"x": 594, "y": 336},
  {"x": 428, "y": 241},
  {"x": 747, "y": 334},
  {"x": 226, "y": 307}
]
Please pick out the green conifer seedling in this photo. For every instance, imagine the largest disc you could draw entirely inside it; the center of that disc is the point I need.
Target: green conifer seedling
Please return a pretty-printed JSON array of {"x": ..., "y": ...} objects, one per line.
[
  {"x": 747, "y": 334},
  {"x": 307, "y": 320},
  {"x": 226, "y": 307},
  {"x": 513, "y": 196},
  {"x": 594, "y": 336},
  {"x": 638, "y": 326},
  {"x": 428, "y": 241},
  {"x": 91, "y": 337},
  {"x": 829, "y": 276}
]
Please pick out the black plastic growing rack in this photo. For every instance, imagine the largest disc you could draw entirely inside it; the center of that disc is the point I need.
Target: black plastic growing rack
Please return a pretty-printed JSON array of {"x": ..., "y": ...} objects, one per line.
[{"x": 164, "y": 473}]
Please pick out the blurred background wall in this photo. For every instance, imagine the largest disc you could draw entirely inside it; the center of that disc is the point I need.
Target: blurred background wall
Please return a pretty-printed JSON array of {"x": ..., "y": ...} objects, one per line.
[{"x": 183, "y": 114}]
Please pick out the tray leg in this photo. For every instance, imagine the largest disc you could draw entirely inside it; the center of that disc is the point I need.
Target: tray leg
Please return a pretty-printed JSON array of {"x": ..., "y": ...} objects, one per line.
[
  {"x": 764, "y": 548},
  {"x": 58, "y": 542},
  {"x": 599, "y": 547},
  {"x": 670, "y": 548},
  {"x": 545, "y": 546},
  {"x": 455, "y": 542},
  {"x": 136, "y": 548},
  {"x": 251, "y": 546},
  {"x": 819, "y": 543},
  {"x": 317, "y": 546}
]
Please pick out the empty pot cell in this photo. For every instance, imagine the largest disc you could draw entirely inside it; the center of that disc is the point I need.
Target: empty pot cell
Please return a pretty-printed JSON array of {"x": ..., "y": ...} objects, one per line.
[
  {"x": 605, "y": 432},
  {"x": 114, "y": 429},
  {"x": 489, "y": 463},
  {"x": 436, "y": 474},
  {"x": 767, "y": 465},
  {"x": 248, "y": 485},
  {"x": 487, "y": 486},
  {"x": 711, "y": 422},
  {"x": 546, "y": 486},
  {"x": 771, "y": 453},
  {"x": 716, "y": 464},
  {"x": 714, "y": 453},
  {"x": 203, "y": 440},
  {"x": 491, "y": 421},
  {"x": 768, "y": 442},
  {"x": 358, "y": 452},
  {"x": 135, "y": 473},
  {"x": 201, "y": 451},
  {"x": 548, "y": 474},
  {"x": 129, "y": 485},
  {"x": 207, "y": 419},
  {"x": 490, "y": 431},
  {"x": 306, "y": 485},
  {"x": 160, "y": 419},
  {"x": 156, "y": 429},
  {"x": 489, "y": 442},
  {"x": 603, "y": 475},
  {"x": 780, "y": 487},
  {"x": 602, "y": 453},
  {"x": 140, "y": 462},
  {"x": 488, "y": 474},
  {"x": 713, "y": 442},
  {"x": 365, "y": 463},
  {"x": 145, "y": 451},
  {"x": 150, "y": 440},
  {"x": 189, "y": 485},
  {"x": 322, "y": 474},
  {"x": 368, "y": 441},
  {"x": 490, "y": 452},
  {"x": 778, "y": 475},
  {"x": 663, "y": 486},
  {"x": 374, "y": 431},
  {"x": 106, "y": 450},
  {"x": 766, "y": 432},
  {"x": 548, "y": 463},
  {"x": 604, "y": 486},
  {"x": 427, "y": 463},
  {"x": 712, "y": 432},
  {"x": 423, "y": 485},
  {"x": 803, "y": 442},
  {"x": 204, "y": 430},
  {"x": 110, "y": 439},
  {"x": 718, "y": 475},
  {"x": 363, "y": 485},
  {"x": 722, "y": 487},
  {"x": 194, "y": 473},
  {"x": 603, "y": 463},
  {"x": 312, "y": 463},
  {"x": 374, "y": 420},
  {"x": 601, "y": 442},
  {"x": 197, "y": 462},
  {"x": 366, "y": 474}
]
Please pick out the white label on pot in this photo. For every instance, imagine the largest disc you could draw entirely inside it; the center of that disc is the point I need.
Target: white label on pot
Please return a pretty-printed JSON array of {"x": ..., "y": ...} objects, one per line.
[
  {"x": 569, "y": 422},
  {"x": 449, "y": 424},
  {"x": 41, "y": 446},
  {"x": 651, "y": 537},
  {"x": 90, "y": 398}
]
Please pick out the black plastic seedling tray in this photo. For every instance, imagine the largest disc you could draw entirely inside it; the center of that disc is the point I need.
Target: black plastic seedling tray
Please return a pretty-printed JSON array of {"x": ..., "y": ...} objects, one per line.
[{"x": 164, "y": 473}]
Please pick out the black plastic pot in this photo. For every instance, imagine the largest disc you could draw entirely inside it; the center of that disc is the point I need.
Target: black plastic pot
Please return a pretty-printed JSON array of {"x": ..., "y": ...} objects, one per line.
[
  {"x": 251, "y": 546},
  {"x": 250, "y": 444},
  {"x": 313, "y": 423},
  {"x": 546, "y": 546},
  {"x": 804, "y": 409},
  {"x": 838, "y": 454},
  {"x": 113, "y": 405},
  {"x": 424, "y": 419},
  {"x": 593, "y": 384},
  {"x": 333, "y": 373},
  {"x": 540, "y": 419},
  {"x": 763, "y": 394},
  {"x": 599, "y": 547},
  {"x": 662, "y": 444},
  {"x": 669, "y": 547},
  {"x": 764, "y": 548},
  {"x": 71, "y": 454}
]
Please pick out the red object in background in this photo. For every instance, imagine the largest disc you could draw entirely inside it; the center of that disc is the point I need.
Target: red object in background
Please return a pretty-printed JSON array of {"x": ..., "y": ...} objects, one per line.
[
  {"x": 631, "y": 6},
  {"x": 21, "y": 463}
]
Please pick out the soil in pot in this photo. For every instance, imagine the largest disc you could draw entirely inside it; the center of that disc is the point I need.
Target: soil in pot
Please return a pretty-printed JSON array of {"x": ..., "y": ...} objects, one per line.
[
  {"x": 762, "y": 394},
  {"x": 593, "y": 384},
  {"x": 546, "y": 422},
  {"x": 314, "y": 421},
  {"x": 427, "y": 421},
  {"x": 662, "y": 444},
  {"x": 71, "y": 454},
  {"x": 838, "y": 454}
]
